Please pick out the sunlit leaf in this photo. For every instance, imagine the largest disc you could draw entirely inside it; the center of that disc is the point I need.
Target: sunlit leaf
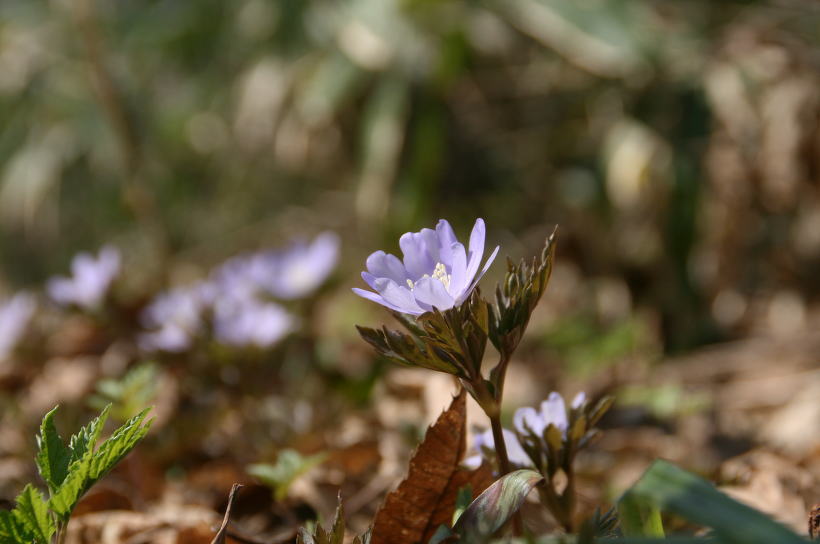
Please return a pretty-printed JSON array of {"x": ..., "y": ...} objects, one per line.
[{"x": 496, "y": 505}]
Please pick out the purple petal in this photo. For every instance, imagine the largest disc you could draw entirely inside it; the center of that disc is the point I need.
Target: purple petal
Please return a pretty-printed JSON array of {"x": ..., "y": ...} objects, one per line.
[
  {"x": 385, "y": 265},
  {"x": 399, "y": 296},
  {"x": 528, "y": 417},
  {"x": 370, "y": 279},
  {"x": 61, "y": 290},
  {"x": 14, "y": 319},
  {"x": 579, "y": 400},
  {"x": 484, "y": 270},
  {"x": 169, "y": 338},
  {"x": 417, "y": 258},
  {"x": 476, "y": 248},
  {"x": 472, "y": 462},
  {"x": 554, "y": 411},
  {"x": 300, "y": 269},
  {"x": 446, "y": 239},
  {"x": 375, "y": 297},
  {"x": 431, "y": 292},
  {"x": 515, "y": 453},
  {"x": 458, "y": 271}
]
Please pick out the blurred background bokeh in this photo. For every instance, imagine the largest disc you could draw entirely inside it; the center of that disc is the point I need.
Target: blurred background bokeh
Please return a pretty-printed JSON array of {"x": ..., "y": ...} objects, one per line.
[{"x": 675, "y": 144}]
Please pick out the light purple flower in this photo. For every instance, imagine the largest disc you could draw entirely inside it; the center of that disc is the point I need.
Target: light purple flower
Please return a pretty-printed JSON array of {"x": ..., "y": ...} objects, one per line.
[
  {"x": 171, "y": 338},
  {"x": 485, "y": 441},
  {"x": 15, "y": 315},
  {"x": 437, "y": 271},
  {"x": 553, "y": 412},
  {"x": 89, "y": 281},
  {"x": 299, "y": 269},
  {"x": 249, "y": 322},
  {"x": 176, "y": 315}
]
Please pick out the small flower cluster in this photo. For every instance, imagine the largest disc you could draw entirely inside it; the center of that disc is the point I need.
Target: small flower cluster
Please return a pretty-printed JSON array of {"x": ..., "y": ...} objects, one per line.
[
  {"x": 235, "y": 301},
  {"x": 528, "y": 422}
]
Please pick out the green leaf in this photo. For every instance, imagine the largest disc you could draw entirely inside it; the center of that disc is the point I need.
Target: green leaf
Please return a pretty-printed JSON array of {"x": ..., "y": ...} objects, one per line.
[
  {"x": 32, "y": 512},
  {"x": 86, "y": 438},
  {"x": 93, "y": 465},
  {"x": 128, "y": 394},
  {"x": 496, "y": 505},
  {"x": 673, "y": 489},
  {"x": 336, "y": 534},
  {"x": 463, "y": 499},
  {"x": 515, "y": 299},
  {"x": 12, "y": 530},
  {"x": 289, "y": 466},
  {"x": 639, "y": 518},
  {"x": 53, "y": 457}
]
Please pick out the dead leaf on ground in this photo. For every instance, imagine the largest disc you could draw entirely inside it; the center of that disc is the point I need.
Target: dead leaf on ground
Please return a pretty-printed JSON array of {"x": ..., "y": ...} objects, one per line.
[
  {"x": 166, "y": 525},
  {"x": 426, "y": 497}
]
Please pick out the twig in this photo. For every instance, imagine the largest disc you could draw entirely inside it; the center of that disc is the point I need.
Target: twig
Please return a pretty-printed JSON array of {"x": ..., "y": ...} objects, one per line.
[{"x": 223, "y": 530}]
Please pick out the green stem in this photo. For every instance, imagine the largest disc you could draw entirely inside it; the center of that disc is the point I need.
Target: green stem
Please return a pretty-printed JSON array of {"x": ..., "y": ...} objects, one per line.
[
  {"x": 500, "y": 445},
  {"x": 62, "y": 532}
]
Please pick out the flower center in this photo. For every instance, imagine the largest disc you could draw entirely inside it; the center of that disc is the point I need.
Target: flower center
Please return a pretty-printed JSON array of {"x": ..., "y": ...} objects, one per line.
[{"x": 439, "y": 273}]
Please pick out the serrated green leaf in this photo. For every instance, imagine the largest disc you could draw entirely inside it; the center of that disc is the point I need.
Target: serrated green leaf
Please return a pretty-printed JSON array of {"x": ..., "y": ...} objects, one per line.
[
  {"x": 32, "y": 512},
  {"x": 93, "y": 465},
  {"x": 673, "y": 489},
  {"x": 119, "y": 444},
  {"x": 77, "y": 482},
  {"x": 12, "y": 530},
  {"x": 53, "y": 457},
  {"x": 83, "y": 442},
  {"x": 496, "y": 505}
]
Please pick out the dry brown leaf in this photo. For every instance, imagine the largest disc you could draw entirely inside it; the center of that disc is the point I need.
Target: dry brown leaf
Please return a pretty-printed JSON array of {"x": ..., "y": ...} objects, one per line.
[
  {"x": 174, "y": 525},
  {"x": 426, "y": 497}
]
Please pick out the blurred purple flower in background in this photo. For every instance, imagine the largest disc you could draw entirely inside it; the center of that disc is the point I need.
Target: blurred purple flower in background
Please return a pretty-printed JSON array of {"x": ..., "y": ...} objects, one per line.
[
  {"x": 553, "y": 412},
  {"x": 250, "y": 322},
  {"x": 15, "y": 315},
  {"x": 437, "y": 271},
  {"x": 286, "y": 274},
  {"x": 298, "y": 270},
  {"x": 89, "y": 281},
  {"x": 484, "y": 441},
  {"x": 236, "y": 296},
  {"x": 177, "y": 316}
]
